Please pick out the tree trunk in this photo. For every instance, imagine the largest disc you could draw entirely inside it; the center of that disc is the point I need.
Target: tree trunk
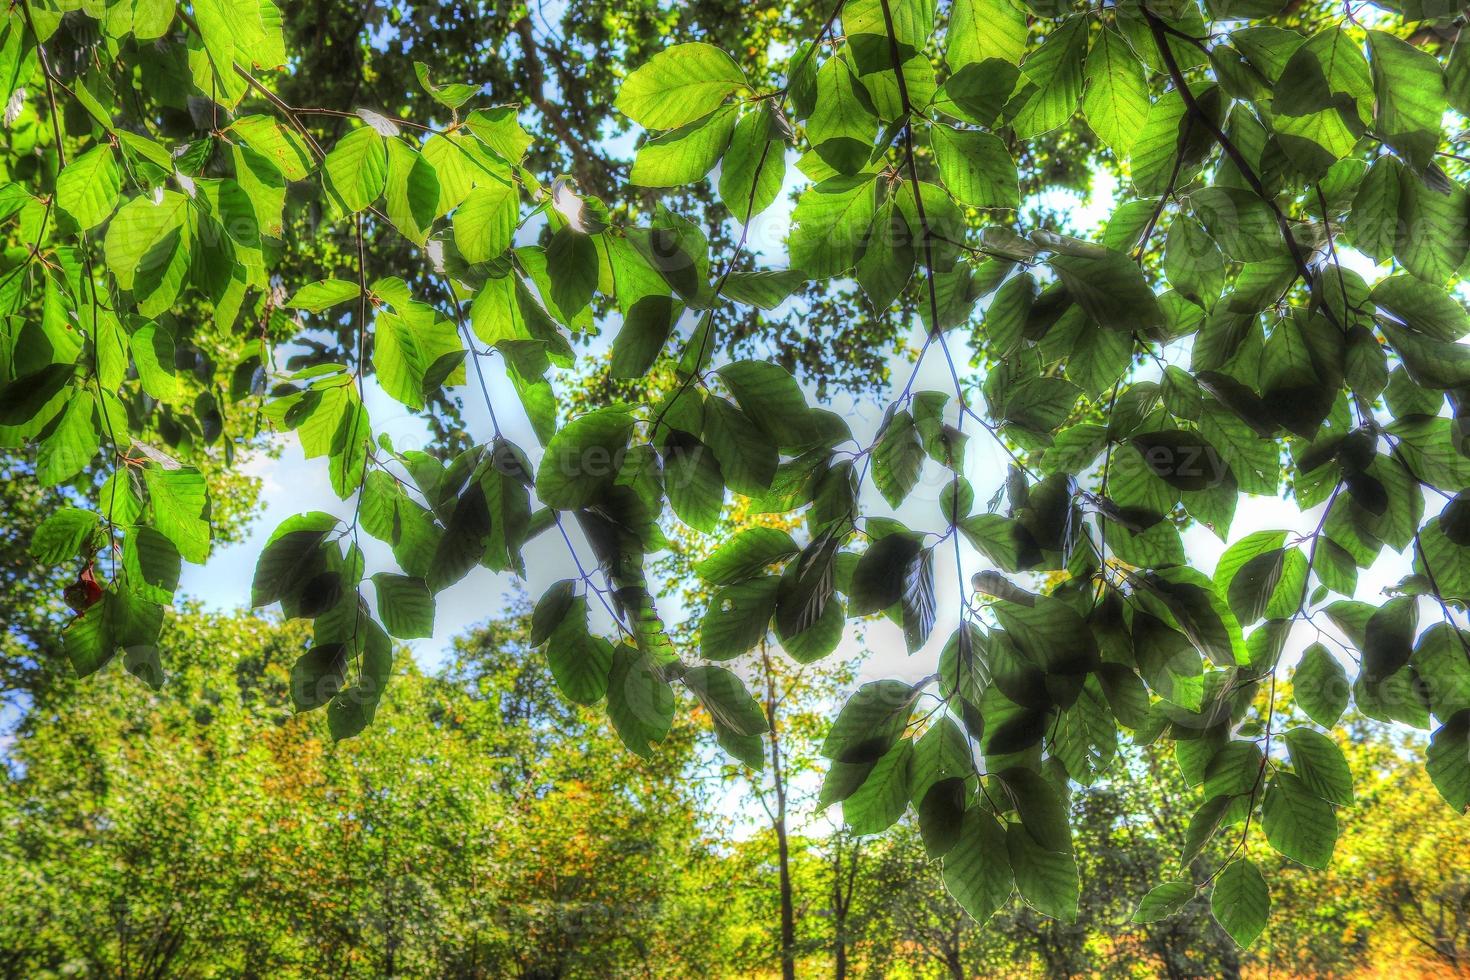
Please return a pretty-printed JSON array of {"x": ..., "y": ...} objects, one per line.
[
  {"x": 952, "y": 962},
  {"x": 843, "y": 880},
  {"x": 783, "y": 850}
]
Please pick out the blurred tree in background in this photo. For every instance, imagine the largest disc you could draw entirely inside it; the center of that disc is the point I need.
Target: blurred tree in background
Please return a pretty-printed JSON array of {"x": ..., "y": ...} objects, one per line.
[{"x": 485, "y": 828}]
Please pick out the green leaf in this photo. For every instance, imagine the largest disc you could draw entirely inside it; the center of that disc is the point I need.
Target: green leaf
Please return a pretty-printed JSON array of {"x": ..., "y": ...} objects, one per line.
[
  {"x": 1041, "y": 808},
  {"x": 353, "y": 709},
  {"x": 1388, "y": 637},
  {"x": 485, "y": 221},
  {"x": 645, "y": 331},
  {"x": 678, "y": 85},
  {"x": 405, "y": 605},
  {"x": 583, "y": 458},
  {"x": 116, "y": 621},
  {"x": 580, "y": 662},
  {"x": 1442, "y": 659},
  {"x": 1239, "y": 221},
  {"x": 33, "y": 397},
  {"x": 71, "y": 444},
  {"x": 1164, "y": 901},
  {"x": 976, "y": 167},
  {"x": 977, "y": 869},
  {"x": 552, "y": 609},
  {"x": 746, "y": 555},
  {"x": 1320, "y": 686},
  {"x": 571, "y": 264},
  {"x": 253, "y": 30},
  {"x": 1157, "y": 145},
  {"x": 60, "y": 536},
  {"x": 414, "y": 353},
  {"x": 1234, "y": 770},
  {"x": 1432, "y": 312},
  {"x": 1204, "y": 823},
  {"x": 1182, "y": 459},
  {"x": 1054, "y": 70},
  {"x": 411, "y": 191},
  {"x": 738, "y": 618},
  {"x": 283, "y": 147},
  {"x": 500, "y": 130},
  {"x": 878, "y": 580},
  {"x": 144, "y": 246},
  {"x": 1241, "y": 902},
  {"x": 1252, "y": 588},
  {"x": 290, "y": 557},
  {"x": 1051, "y": 633},
  {"x": 265, "y": 187},
  {"x": 887, "y": 262},
  {"x": 1372, "y": 223},
  {"x": 180, "y": 502},
  {"x": 942, "y": 761},
  {"x": 1321, "y": 72},
  {"x": 770, "y": 396},
  {"x": 748, "y": 458},
  {"x": 882, "y": 798},
  {"x": 1168, "y": 662},
  {"x": 1086, "y": 735},
  {"x": 88, "y": 187},
  {"x": 1193, "y": 262},
  {"x": 766, "y": 289},
  {"x": 451, "y": 95},
  {"x": 1116, "y": 99},
  {"x": 88, "y": 641},
  {"x": 725, "y": 697},
  {"x": 684, "y": 155},
  {"x": 979, "y": 30},
  {"x": 1254, "y": 462},
  {"x": 754, "y": 167},
  {"x": 1109, "y": 287},
  {"x": 1430, "y": 363},
  {"x": 640, "y": 703},
  {"x": 355, "y": 171},
  {"x": 1457, "y": 76},
  {"x": 897, "y": 458},
  {"x": 870, "y": 722},
  {"x": 151, "y": 565},
  {"x": 830, "y": 223},
  {"x": 1004, "y": 541},
  {"x": 693, "y": 482},
  {"x": 1410, "y": 100},
  {"x": 818, "y": 638},
  {"x": 317, "y": 676},
  {"x": 1298, "y": 823},
  {"x": 1320, "y": 765},
  {"x": 1448, "y": 761},
  {"x": 323, "y": 294},
  {"x": 1433, "y": 228},
  {"x": 1046, "y": 879},
  {"x": 843, "y": 120},
  {"x": 1242, "y": 552}
]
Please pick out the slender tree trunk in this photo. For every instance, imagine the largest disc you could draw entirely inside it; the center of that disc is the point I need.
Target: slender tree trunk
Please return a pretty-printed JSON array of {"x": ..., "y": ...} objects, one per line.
[
  {"x": 839, "y": 921},
  {"x": 842, "y": 885},
  {"x": 783, "y": 850},
  {"x": 953, "y": 964}
]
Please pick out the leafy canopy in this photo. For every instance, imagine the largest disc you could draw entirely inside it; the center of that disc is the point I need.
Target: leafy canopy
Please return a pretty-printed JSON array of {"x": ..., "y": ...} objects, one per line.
[{"x": 1270, "y": 306}]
